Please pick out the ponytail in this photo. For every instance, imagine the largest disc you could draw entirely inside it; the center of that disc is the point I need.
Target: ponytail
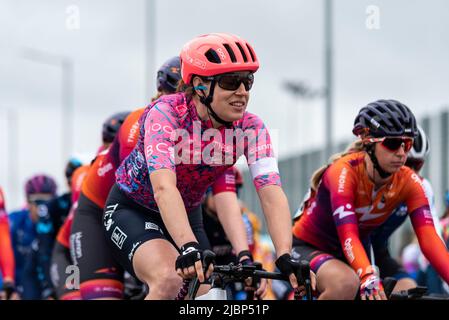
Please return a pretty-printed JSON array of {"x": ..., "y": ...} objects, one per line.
[{"x": 354, "y": 147}]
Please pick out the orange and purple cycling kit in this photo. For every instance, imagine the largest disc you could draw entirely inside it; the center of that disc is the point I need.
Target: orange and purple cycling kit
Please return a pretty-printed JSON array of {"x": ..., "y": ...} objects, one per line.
[
  {"x": 7, "y": 264},
  {"x": 101, "y": 177},
  {"x": 171, "y": 124},
  {"x": 346, "y": 208},
  {"x": 77, "y": 180},
  {"x": 100, "y": 276}
]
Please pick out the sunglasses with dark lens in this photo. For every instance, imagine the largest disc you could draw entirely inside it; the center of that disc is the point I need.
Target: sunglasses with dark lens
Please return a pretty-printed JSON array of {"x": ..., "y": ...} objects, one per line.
[
  {"x": 393, "y": 144},
  {"x": 232, "y": 81}
]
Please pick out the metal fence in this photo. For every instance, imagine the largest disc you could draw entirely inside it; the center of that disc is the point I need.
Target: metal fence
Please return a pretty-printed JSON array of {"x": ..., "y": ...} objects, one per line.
[{"x": 296, "y": 172}]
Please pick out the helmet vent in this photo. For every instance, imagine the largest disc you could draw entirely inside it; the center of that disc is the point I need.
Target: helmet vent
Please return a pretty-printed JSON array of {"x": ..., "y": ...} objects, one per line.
[
  {"x": 251, "y": 52},
  {"x": 231, "y": 53},
  {"x": 242, "y": 52},
  {"x": 212, "y": 56}
]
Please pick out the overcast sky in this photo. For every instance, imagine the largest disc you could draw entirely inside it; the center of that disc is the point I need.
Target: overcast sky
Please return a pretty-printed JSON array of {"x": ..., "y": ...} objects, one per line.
[{"x": 403, "y": 55}]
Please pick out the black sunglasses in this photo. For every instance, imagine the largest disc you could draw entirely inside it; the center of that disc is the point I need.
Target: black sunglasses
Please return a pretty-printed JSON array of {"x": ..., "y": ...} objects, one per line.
[{"x": 232, "y": 81}]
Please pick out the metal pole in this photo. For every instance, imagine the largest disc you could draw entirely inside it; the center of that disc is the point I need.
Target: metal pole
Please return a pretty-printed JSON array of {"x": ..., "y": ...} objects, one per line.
[
  {"x": 68, "y": 108},
  {"x": 150, "y": 46},
  {"x": 12, "y": 125},
  {"x": 67, "y": 93},
  {"x": 328, "y": 76}
]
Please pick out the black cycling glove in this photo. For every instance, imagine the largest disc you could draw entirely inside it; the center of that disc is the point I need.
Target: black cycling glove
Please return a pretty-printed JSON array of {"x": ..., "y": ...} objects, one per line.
[
  {"x": 190, "y": 253},
  {"x": 287, "y": 265}
]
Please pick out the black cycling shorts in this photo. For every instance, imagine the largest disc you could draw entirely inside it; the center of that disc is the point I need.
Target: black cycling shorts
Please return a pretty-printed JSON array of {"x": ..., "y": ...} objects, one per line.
[
  {"x": 60, "y": 272},
  {"x": 101, "y": 276},
  {"x": 305, "y": 251},
  {"x": 128, "y": 225}
]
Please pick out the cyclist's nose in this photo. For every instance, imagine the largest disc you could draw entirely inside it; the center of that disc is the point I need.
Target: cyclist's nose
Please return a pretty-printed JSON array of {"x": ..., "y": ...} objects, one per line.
[
  {"x": 241, "y": 89},
  {"x": 401, "y": 151}
]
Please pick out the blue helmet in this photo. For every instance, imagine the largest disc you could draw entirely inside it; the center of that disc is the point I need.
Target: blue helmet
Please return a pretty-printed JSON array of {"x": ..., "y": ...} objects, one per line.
[{"x": 169, "y": 75}]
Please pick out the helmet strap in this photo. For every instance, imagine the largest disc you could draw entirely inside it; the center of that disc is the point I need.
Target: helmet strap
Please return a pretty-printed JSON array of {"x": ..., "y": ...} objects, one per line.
[
  {"x": 372, "y": 155},
  {"x": 207, "y": 102}
]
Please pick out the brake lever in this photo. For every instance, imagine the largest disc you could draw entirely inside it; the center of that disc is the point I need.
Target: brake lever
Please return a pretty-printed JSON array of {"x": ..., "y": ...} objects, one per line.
[{"x": 208, "y": 259}]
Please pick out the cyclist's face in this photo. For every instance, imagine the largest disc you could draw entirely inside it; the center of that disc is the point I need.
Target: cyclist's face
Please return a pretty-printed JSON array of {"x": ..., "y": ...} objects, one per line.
[
  {"x": 230, "y": 105},
  {"x": 34, "y": 200},
  {"x": 390, "y": 161}
]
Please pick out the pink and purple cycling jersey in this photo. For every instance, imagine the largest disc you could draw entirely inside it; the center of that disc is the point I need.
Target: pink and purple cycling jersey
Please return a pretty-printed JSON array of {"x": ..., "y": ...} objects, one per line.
[{"x": 173, "y": 137}]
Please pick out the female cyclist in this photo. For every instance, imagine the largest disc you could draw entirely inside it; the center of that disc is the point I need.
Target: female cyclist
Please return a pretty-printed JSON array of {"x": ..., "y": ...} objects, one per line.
[
  {"x": 354, "y": 195},
  {"x": 154, "y": 208}
]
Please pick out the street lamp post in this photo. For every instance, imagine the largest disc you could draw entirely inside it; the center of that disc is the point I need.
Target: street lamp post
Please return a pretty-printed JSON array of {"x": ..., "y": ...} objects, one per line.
[
  {"x": 67, "y": 93},
  {"x": 150, "y": 46},
  {"x": 328, "y": 76}
]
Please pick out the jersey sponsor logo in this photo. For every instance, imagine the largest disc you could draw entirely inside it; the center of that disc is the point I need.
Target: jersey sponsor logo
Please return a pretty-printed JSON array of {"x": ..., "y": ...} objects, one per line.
[
  {"x": 133, "y": 132},
  {"x": 162, "y": 147},
  {"x": 156, "y": 127},
  {"x": 149, "y": 151},
  {"x": 348, "y": 250},
  {"x": 104, "y": 169},
  {"x": 367, "y": 214},
  {"x": 167, "y": 129},
  {"x": 118, "y": 237},
  {"x": 416, "y": 179},
  {"x": 75, "y": 246},
  {"x": 401, "y": 210},
  {"x": 152, "y": 226},
  {"x": 131, "y": 253},
  {"x": 427, "y": 214},
  {"x": 340, "y": 211},
  {"x": 108, "y": 222},
  {"x": 342, "y": 180}
]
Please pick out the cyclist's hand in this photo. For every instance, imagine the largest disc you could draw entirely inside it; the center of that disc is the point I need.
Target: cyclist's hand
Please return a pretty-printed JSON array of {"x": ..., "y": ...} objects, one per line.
[
  {"x": 288, "y": 267},
  {"x": 8, "y": 292},
  {"x": 262, "y": 289},
  {"x": 371, "y": 288},
  {"x": 188, "y": 263}
]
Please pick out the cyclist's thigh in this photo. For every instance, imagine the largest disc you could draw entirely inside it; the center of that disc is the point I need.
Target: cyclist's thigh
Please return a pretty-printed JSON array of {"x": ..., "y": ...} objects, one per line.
[
  {"x": 128, "y": 226},
  {"x": 101, "y": 276},
  {"x": 304, "y": 251}
]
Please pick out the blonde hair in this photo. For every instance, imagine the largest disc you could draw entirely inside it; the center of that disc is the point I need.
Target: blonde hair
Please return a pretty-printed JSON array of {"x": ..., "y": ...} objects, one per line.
[
  {"x": 157, "y": 96},
  {"x": 355, "y": 146}
]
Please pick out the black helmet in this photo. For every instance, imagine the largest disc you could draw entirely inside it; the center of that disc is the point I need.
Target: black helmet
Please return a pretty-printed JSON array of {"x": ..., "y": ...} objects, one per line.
[
  {"x": 385, "y": 118},
  {"x": 169, "y": 75},
  {"x": 112, "y": 125}
]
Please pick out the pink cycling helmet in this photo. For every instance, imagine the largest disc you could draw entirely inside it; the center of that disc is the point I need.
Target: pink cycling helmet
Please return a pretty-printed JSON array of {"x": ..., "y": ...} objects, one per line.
[{"x": 216, "y": 53}]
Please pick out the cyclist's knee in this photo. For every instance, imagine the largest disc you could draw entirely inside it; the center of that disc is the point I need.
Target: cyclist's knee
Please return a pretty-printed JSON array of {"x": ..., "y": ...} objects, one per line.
[
  {"x": 337, "y": 281},
  {"x": 164, "y": 283},
  {"x": 344, "y": 288}
]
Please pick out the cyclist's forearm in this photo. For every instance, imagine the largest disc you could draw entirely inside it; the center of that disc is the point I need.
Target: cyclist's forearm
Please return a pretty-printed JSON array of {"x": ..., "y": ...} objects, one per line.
[
  {"x": 230, "y": 216},
  {"x": 353, "y": 249},
  {"x": 174, "y": 215},
  {"x": 277, "y": 214},
  {"x": 434, "y": 250}
]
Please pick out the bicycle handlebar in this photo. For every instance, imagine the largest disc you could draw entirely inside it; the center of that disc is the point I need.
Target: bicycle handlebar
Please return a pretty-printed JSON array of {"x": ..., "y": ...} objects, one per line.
[{"x": 241, "y": 272}]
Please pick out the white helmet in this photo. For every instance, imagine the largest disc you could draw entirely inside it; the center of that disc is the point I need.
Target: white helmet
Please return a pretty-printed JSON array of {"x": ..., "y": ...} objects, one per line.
[{"x": 420, "y": 148}]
